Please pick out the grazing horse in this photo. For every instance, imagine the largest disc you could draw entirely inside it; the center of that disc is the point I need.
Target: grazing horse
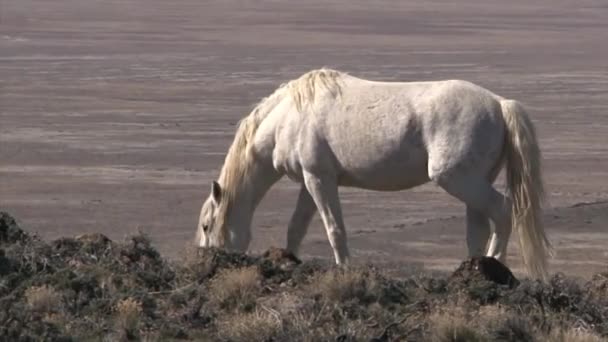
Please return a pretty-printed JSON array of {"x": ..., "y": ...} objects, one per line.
[{"x": 327, "y": 129}]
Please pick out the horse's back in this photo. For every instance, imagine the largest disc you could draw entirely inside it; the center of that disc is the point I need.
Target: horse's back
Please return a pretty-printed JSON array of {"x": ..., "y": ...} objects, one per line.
[{"x": 381, "y": 135}]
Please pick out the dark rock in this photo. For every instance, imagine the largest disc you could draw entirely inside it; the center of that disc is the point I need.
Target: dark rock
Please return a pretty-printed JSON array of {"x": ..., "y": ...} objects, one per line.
[
  {"x": 486, "y": 268},
  {"x": 280, "y": 255},
  {"x": 278, "y": 263},
  {"x": 6, "y": 266},
  {"x": 9, "y": 230}
]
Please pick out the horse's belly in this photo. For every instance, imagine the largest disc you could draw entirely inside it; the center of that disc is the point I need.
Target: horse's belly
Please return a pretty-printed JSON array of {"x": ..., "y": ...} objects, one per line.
[{"x": 385, "y": 172}]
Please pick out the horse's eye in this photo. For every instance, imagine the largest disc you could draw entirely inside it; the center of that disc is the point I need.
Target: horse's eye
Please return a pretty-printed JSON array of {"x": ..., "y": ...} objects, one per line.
[{"x": 205, "y": 228}]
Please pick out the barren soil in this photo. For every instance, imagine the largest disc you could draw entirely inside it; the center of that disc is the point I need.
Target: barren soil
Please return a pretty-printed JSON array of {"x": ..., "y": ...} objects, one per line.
[{"x": 115, "y": 115}]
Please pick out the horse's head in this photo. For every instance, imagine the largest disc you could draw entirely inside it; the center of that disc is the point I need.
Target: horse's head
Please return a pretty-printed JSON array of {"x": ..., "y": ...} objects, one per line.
[
  {"x": 210, "y": 226},
  {"x": 219, "y": 225}
]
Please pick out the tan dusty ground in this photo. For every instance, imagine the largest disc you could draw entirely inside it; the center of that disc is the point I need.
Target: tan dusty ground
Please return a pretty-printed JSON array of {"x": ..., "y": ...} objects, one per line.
[{"x": 116, "y": 114}]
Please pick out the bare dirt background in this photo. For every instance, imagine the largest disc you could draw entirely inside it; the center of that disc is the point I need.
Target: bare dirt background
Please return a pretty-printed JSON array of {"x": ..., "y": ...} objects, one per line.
[{"x": 116, "y": 115}]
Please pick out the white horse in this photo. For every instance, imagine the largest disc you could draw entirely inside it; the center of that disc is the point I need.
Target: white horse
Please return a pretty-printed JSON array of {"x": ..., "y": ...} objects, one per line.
[{"x": 328, "y": 129}]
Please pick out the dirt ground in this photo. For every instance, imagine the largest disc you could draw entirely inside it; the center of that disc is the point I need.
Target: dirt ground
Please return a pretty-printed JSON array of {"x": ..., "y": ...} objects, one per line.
[{"x": 116, "y": 115}]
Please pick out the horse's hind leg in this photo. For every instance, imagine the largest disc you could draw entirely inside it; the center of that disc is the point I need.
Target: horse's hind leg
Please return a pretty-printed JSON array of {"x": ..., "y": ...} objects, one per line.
[
  {"x": 300, "y": 220},
  {"x": 497, "y": 247},
  {"x": 478, "y": 194},
  {"x": 502, "y": 228},
  {"x": 480, "y": 238},
  {"x": 478, "y": 232},
  {"x": 502, "y": 232},
  {"x": 324, "y": 192}
]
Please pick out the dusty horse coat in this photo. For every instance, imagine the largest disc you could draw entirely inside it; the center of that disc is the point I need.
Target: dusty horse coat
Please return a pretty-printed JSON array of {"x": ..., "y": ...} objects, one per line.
[{"x": 328, "y": 129}]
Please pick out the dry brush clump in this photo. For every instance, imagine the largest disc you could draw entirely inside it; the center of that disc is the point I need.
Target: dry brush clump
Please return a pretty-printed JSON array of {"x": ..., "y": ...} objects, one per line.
[
  {"x": 238, "y": 287},
  {"x": 450, "y": 329},
  {"x": 127, "y": 315},
  {"x": 92, "y": 288},
  {"x": 340, "y": 285},
  {"x": 43, "y": 299},
  {"x": 253, "y": 326},
  {"x": 571, "y": 335}
]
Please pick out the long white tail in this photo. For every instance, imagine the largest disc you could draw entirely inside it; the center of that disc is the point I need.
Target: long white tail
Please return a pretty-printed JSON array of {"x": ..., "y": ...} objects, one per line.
[{"x": 525, "y": 184}]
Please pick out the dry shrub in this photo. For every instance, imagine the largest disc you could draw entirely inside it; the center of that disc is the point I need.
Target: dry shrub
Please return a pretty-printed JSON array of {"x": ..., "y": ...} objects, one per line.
[
  {"x": 448, "y": 328},
  {"x": 458, "y": 320},
  {"x": 572, "y": 335},
  {"x": 55, "y": 318},
  {"x": 354, "y": 323},
  {"x": 42, "y": 298},
  {"x": 128, "y": 313},
  {"x": 189, "y": 254},
  {"x": 452, "y": 323},
  {"x": 494, "y": 312},
  {"x": 193, "y": 262},
  {"x": 501, "y": 325},
  {"x": 253, "y": 326},
  {"x": 342, "y": 285},
  {"x": 299, "y": 315},
  {"x": 236, "y": 287},
  {"x": 513, "y": 329},
  {"x": 299, "y": 324}
]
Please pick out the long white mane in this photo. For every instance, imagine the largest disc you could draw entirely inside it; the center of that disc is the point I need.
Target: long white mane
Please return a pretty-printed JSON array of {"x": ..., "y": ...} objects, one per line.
[{"x": 303, "y": 91}]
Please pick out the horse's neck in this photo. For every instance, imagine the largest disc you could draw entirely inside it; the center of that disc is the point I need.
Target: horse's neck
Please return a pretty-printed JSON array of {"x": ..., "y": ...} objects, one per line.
[{"x": 261, "y": 176}]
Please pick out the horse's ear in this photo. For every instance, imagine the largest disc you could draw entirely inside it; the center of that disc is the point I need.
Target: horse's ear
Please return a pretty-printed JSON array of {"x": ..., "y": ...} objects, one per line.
[{"x": 216, "y": 192}]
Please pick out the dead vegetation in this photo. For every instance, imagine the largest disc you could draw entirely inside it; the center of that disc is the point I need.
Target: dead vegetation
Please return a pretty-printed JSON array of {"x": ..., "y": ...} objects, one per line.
[
  {"x": 91, "y": 288},
  {"x": 341, "y": 285},
  {"x": 235, "y": 288},
  {"x": 43, "y": 299},
  {"x": 127, "y": 313},
  {"x": 252, "y": 326}
]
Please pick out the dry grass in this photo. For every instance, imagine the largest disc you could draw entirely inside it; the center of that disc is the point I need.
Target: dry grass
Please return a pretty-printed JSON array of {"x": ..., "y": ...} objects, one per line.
[
  {"x": 57, "y": 318},
  {"x": 342, "y": 285},
  {"x": 43, "y": 299},
  {"x": 453, "y": 321},
  {"x": 501, "y": 325},
  {"x": 299, "y": 324},
  {"x": 221, "y": 296},
  {"x": 461, "y": 320},
  {"x": 236, "y": 288},
  {"x": 298, "y": 314},
  {"x": 449, "y": 328},
  {"x": 572, "y": 335},
  {"x": 128, "y": 312},
  {"x": 512, "y": 329},
  {"x": 253, "y": 326}
]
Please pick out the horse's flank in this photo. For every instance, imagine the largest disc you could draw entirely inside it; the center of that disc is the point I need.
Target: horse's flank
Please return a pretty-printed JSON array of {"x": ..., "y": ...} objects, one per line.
[{"x": 303, "y": 92}]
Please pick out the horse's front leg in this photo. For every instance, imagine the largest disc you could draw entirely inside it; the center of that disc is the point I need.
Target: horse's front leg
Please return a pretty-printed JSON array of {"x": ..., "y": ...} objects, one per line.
[
  {"x": 324, "y": 192},
  {"x": 300, "y": 220}
]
